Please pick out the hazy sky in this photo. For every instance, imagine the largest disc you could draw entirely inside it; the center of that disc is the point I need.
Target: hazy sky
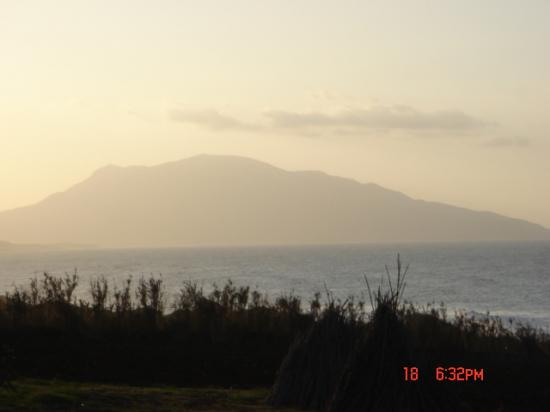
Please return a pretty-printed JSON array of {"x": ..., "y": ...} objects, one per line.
[{"x": 442, "y": 100}]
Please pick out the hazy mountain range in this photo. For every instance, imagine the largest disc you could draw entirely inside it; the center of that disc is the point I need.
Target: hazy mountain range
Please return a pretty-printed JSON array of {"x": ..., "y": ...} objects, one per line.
[{"x": 227, "y": 200}]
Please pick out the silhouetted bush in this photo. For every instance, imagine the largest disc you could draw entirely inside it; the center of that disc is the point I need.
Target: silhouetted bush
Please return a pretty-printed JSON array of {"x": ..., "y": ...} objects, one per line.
[
  {"x": 7, "y": 374},
  {"x": 123, "y": 333}
]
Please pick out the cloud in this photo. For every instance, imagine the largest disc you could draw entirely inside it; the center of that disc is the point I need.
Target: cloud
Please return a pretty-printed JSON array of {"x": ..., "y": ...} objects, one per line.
[
  {"x": 500, "y": 142},
  {"x": 211, "y": 119},
  {"x": 379, "y": 118}
]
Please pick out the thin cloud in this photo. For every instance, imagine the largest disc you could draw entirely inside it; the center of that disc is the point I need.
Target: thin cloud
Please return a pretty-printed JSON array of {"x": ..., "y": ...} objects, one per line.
[
  {"x": 380, "y": 118},
  {"x": 500, "y": 142},
  {"x": 211, "y": 119}
]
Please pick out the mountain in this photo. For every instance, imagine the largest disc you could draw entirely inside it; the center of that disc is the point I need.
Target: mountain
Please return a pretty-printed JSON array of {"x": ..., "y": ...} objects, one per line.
[{"x": 227, "y": 200}]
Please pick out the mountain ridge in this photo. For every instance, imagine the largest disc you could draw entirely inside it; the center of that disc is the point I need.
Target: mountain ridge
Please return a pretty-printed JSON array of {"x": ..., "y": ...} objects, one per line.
[{"x": 234, "y": 200}]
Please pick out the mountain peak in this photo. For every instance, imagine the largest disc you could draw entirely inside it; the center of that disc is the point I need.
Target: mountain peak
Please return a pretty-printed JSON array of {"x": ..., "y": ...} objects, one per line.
[{"x": 226, "y": 159}]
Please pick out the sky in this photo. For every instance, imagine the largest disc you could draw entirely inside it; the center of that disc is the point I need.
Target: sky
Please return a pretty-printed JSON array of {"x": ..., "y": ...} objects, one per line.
[{"x": 442, "y": 100}]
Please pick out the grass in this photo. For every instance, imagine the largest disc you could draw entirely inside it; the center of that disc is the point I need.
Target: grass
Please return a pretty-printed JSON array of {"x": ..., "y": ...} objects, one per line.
[{"x": 53, "y": 395}]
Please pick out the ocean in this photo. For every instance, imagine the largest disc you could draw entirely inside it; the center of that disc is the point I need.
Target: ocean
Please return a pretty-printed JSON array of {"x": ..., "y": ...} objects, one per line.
[{"x": 511, "y": 280}]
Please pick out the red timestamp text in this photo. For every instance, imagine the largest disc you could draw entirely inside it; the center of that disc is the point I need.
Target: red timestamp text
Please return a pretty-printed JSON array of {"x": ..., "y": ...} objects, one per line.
[
  {"x": 448, "y": 374},
  {"x": 459, "y": 374}
]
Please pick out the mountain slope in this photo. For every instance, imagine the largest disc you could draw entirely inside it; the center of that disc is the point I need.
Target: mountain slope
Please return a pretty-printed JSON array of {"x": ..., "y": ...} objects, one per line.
[{"x": 226, "y": 200}]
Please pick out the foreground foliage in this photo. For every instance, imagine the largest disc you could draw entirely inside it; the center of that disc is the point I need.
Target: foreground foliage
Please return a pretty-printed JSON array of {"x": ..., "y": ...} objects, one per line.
[
  {"x": 342, "y": 365},
  {"x": 231, "y": 336},
  {"x": 334, "y": 356}
]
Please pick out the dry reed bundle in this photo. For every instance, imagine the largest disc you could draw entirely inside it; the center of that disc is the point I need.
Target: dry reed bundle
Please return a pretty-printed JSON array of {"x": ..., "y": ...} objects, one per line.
[{"x": 315, "y": 362}]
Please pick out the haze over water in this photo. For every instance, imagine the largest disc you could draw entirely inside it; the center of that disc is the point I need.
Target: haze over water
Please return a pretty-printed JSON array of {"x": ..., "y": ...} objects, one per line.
[{"x": 508, "y": 279}]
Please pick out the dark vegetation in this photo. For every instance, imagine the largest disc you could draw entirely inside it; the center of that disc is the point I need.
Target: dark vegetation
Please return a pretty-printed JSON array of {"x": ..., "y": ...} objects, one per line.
[
  {"x": 347, "y": 362},
  {"x": 231, "y": 336},
  {"x": 334, "y": 356},
  {"x": 61, "y": 396}
]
